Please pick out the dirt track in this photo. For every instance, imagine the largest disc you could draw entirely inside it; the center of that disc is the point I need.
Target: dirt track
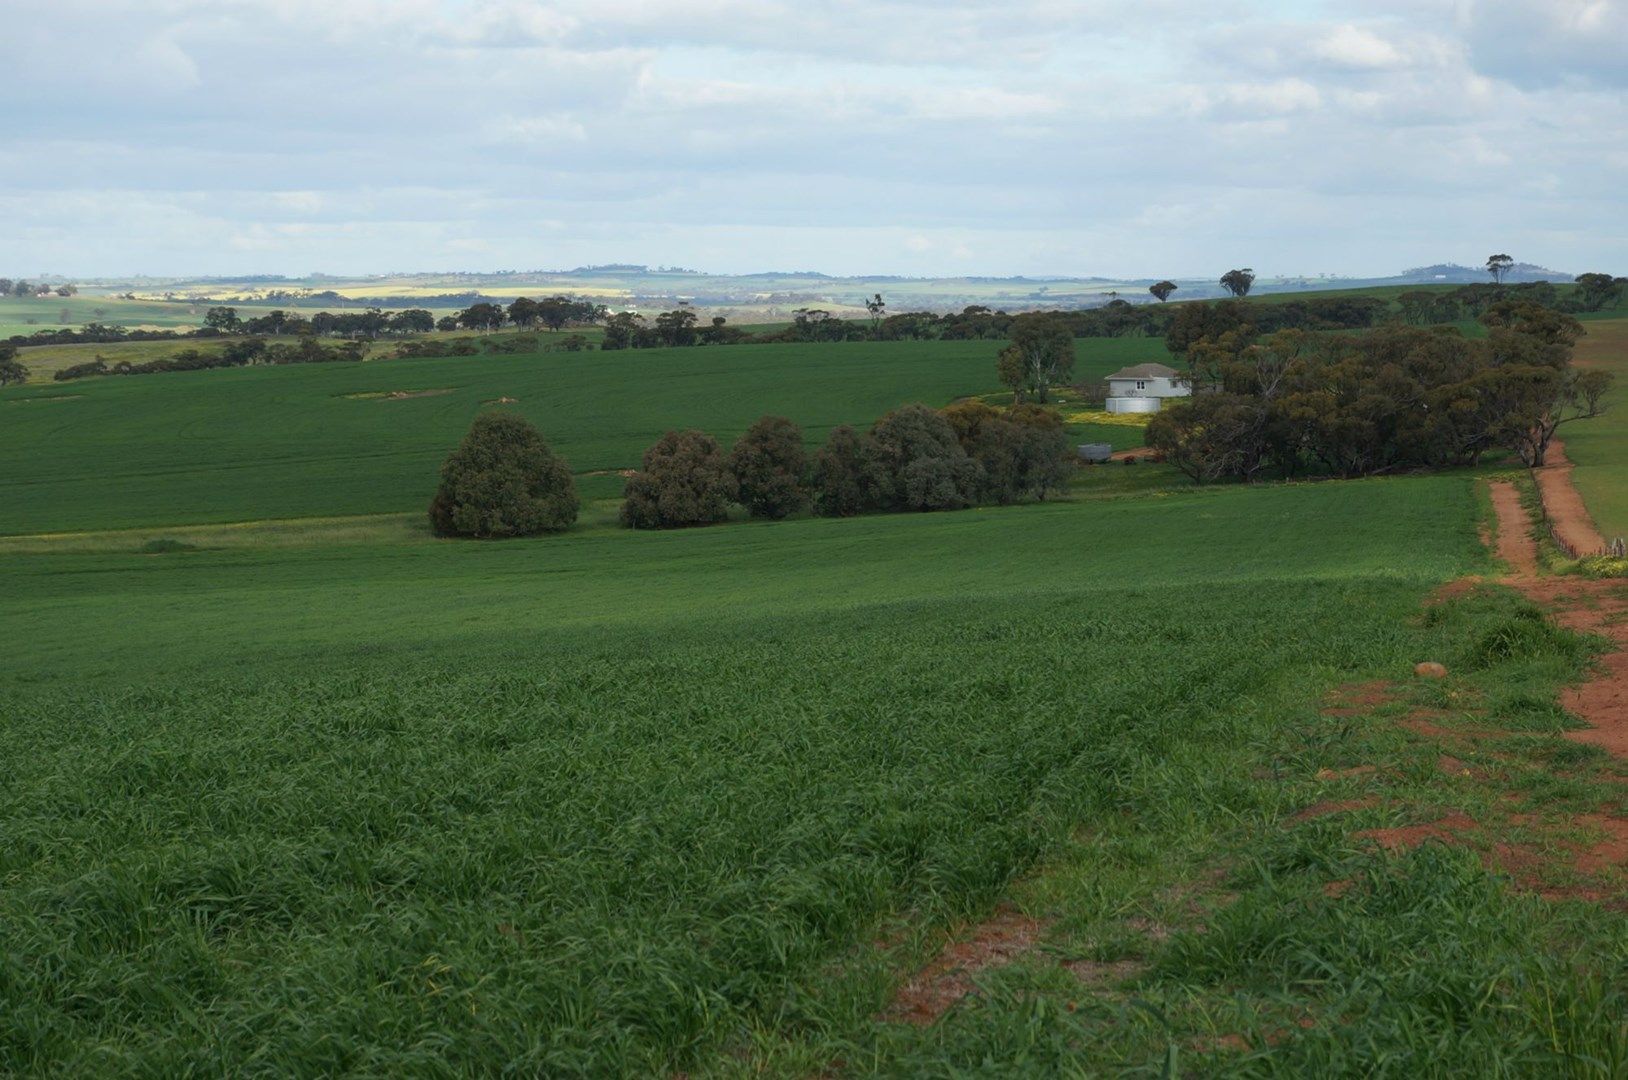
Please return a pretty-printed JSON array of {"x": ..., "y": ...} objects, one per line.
[
  {"x": 1564, "y": 505},
  {"x": 1597, "y": 607}
]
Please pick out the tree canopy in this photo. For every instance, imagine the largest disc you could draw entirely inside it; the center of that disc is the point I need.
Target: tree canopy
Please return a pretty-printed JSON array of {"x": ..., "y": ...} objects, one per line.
[{"x": 503, "y": 480}]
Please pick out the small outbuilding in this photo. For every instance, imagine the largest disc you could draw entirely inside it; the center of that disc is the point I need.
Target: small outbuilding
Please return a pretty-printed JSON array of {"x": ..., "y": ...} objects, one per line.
[{"x": 1142, "y": 388}]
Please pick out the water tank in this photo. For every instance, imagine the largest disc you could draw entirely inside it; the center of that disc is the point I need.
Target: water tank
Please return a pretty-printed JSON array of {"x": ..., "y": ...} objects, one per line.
[
  {"x": 1132, "y": 404},
  {"x": 1096, "y": 452}
]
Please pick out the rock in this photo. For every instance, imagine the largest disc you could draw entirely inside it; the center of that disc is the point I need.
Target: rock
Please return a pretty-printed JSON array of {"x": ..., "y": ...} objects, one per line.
[{"x": 1429, "y": 669}]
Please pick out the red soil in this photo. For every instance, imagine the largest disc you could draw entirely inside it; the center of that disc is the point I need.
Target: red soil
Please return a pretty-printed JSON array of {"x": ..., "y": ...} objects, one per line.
[
  {"x": 1004, "y": 936},
  {"x": 1564, "y": 506}
]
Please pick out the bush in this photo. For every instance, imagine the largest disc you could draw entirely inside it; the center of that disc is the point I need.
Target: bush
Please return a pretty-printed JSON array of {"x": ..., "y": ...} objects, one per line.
[
  {"x": 503, "y": 480},
  {"x": 97, "y": 366},
  {"x": 924, "y": 461},
  {"x": 1023, "y": 452},
  {"x": 769, "y": 466},
  {"x": 11, "y": 369},
  {"x": 686, "y": 480},
  {"x": 847, "y": 477}
]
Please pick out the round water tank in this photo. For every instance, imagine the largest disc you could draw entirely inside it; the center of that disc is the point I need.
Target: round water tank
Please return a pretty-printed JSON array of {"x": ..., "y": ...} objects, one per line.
[{"x": 1133, "y": 404}]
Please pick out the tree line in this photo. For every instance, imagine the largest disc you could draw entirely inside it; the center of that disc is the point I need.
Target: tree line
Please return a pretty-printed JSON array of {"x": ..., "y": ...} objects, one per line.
[
  {"x": 503, "y": 480},
  {"x": 240, "y": 353},
  {"x": 1289, "y": 403},
  {"x": 22, "y": 290}
]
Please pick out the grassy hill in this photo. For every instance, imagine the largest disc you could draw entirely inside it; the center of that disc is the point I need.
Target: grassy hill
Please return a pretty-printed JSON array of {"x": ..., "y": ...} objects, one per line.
[
  {"x": 334, "y": 796},
  {"x": 1600, "y": 446},
  {"x": 313, "y": 440},
  {"x": 613, "y": 803}
]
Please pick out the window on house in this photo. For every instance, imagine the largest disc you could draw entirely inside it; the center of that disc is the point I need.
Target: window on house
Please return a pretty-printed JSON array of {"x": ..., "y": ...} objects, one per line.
[{"x": 1141, "y": 384}]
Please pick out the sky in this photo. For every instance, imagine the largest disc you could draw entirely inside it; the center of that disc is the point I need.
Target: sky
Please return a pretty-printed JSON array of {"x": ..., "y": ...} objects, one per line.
[{"x": 916, "y": 137}]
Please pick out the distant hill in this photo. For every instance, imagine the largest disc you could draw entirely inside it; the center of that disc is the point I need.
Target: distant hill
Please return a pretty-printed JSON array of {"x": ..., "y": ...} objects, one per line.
[
  {"x": 760, "y": 297},
  {"x": 1454, "y": 274}
]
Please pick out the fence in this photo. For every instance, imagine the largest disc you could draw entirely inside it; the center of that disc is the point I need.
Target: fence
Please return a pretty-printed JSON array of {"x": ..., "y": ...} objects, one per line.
[{"x": 1616, "y": 549}]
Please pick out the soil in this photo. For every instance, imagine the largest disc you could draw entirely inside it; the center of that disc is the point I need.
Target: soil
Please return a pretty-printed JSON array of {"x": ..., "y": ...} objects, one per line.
[
  {"x": 1334, "y": 806},
  {"x": 1590, "y": 606},
  {"x": 1448, "y": 830},
  {"x": 1515, "y": 545},
  {"x": 1359, "y": 698},
  {"x": 1599, "y": 607},
  {"x": 1000, "y": 939},
  {"x": 1564, "y": 506}
]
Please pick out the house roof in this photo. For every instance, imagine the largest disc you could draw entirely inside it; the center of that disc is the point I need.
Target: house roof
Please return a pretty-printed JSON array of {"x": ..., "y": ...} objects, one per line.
[{"x": 1145, "y": 371}]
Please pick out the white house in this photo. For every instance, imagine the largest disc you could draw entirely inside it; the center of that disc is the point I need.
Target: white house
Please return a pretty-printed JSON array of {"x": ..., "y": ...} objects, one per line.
[{"x": 1142, "y": 388}]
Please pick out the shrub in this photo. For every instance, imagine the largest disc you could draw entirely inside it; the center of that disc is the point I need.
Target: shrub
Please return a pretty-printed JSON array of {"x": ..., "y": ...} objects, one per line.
[
  {"x": 686, "y": 480},
  {"x": 11, "y": 369},
  {"x": 769, "y": 466},
  {"x": 1021, "y": 452},
  {"x": 97, "y": 366},
  {"x": 847, "y": 477},
  {"x": 503, "y": 480},
  {"x": 924, "y": 461}
]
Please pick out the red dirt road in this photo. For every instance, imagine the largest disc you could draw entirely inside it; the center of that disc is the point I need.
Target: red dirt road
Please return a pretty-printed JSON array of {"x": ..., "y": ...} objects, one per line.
[
  {"x": 1596, "y": 607},
  {"x": 1564, "y": 506}
]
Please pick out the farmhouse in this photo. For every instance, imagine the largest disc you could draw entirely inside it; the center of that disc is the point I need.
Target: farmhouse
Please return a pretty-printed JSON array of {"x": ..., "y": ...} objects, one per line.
[{"x": 1141, "y": 388}]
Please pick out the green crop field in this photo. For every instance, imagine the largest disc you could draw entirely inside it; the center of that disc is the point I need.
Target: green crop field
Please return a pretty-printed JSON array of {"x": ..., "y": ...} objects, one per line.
[
  {"x": 244, "y": 444},
  {"x": 294, "y": 788},
  {"x": 26, "y": 316},
  {"x": 622, "y": 803},
  {"x": 1600, "y": 446}
]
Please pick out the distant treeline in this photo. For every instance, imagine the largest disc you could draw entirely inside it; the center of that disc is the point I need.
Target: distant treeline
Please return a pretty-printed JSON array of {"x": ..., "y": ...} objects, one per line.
[
  {"x": 242, "y": 353},
  {"x": 1179, "y": 324}
]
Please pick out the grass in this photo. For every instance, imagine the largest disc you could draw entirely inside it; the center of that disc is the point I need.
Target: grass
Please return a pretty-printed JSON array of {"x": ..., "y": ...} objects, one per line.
[
  {"x": 610, "y": 803},
  {"x": 290, "y": 792},
  {"x": 20, "y": 315},
  {"x": 618, "y": 803},
  {"x": 296, "y": 442},
  {"x": 1599, "y": 447}
]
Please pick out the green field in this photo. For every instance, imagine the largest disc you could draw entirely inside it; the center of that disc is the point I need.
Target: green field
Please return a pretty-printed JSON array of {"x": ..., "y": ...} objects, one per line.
[
  {"x": 628, "y": 802},
  {"x": 252, "y": 443},
  {"x": 29, "y": 315},
  {"x": 1600, "y": 446},
  {"x": 294, "y": 788}
]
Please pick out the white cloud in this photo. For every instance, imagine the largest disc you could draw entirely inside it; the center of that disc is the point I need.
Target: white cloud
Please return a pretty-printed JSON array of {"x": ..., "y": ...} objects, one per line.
[
  {"x": 1352, "y": 46},
  {"x": 889, "y": 135}
]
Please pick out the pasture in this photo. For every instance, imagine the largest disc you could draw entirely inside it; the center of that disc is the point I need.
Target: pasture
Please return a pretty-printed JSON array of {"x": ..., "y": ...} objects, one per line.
[
  {"x": 1600, "y": 447},
  {"x": 295, "y": 788},
  {"x": 613, "y": 802},
  {"x": 20, "y": 315},
  {"x": 320, "y": 439}
]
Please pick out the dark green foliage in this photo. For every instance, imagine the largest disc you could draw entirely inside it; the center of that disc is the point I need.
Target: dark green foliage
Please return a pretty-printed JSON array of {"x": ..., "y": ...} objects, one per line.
[
  {"x": 926, "y": 467},
  {"x": 12, "y": 370},
  {"x": 1211, "y": 436},
  {"x": 770, "y": 467},
  {"x": 1396, "y": 398},
  {"x": 503, "y": 480},
  {"x": 1040, "y": 356},
  {"x": 97, "y": 366},
  {"x": 1595, "y": 291},
  {"x": 686, "y": 480},
  {"x": 1238, "y": 282},
  {"x": 848, "y": 478},
  {"x": 1021, "y": 453}
]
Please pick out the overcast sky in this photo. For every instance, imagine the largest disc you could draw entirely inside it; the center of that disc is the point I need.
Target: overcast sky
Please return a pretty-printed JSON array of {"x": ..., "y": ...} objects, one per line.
[{"x": 934, "y": 137}]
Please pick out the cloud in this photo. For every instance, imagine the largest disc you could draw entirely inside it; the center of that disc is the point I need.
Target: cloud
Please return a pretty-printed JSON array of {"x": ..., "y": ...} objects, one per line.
[
  {"x": 1538, "y": 43},
  {"x": 889, "y": 135}
]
